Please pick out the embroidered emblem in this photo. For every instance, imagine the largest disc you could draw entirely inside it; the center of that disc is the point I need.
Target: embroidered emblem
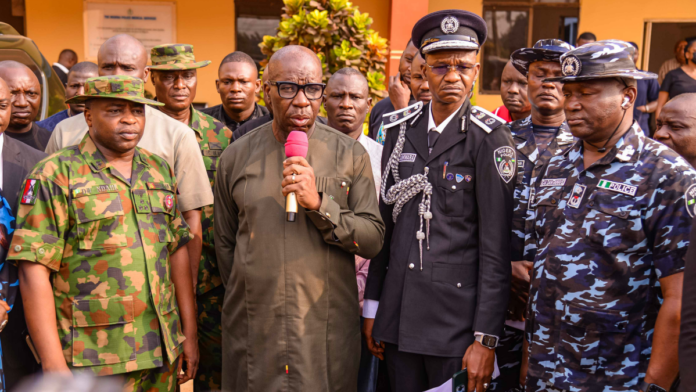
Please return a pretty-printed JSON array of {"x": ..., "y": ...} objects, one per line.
[
  {"x": 626, "y": 153},
  {"x": 553, "y": 182},
  {"x": 480, "y": 115},
  {"x": 571, "y": 66},
  {"x": 449, "y": 25},
  {"x": 393, "y": 117},
  {"x": 520, "y": 164},
  {"x": 690, "y": 198},
  {"x": 490, "y": 121},
  {"x": 404, "y": 157},
  {"x": 169, "y": 202},
  {"x": 504, "y": 158},
  {"x": 575, "y": 197},
  {"x": 618, "y": 187},
  {"x": 29, "y": 192}
]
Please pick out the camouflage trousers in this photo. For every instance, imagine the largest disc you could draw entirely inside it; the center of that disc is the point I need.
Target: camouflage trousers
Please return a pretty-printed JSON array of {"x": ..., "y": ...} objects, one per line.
[
  {"x": 509, "y": 354},
  {"x": 161, "y": 379},
  {"x": 209, "y": 376}
]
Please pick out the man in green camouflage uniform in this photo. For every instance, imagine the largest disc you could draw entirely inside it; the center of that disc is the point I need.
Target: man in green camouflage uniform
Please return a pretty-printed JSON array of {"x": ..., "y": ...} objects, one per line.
[
  {"x": 174, "y": 77},
  {"x": 100, "y": 246}
]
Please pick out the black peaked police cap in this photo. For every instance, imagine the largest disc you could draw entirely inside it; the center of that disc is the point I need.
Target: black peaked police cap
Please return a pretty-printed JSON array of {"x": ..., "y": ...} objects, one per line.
[{"x": 449, "y": 30}]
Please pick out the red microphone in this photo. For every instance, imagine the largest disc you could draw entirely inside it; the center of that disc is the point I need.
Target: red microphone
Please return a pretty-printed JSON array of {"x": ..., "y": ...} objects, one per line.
[{"x": 296, "y": 146}]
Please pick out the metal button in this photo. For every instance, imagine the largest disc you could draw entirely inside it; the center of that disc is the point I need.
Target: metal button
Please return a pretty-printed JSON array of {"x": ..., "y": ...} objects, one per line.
[
  {"x": 591, "y": 203},
  {"x": 42, "y": 251},
  {"x": 459, "y": 285},
  {"x": 553, "y": 201},
  {"x": 328, "y": 215},
  {"x": 411, "y": 266},
  {"x": 623, "y": 213},
  {"x": 454, "y": 187},
  {"x": 18, "y": 248},
  {"x": 343, "y": 183}
]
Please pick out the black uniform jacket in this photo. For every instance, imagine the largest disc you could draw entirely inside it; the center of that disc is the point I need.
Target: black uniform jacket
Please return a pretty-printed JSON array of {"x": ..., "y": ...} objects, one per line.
[{"x": 465, "y": 282}]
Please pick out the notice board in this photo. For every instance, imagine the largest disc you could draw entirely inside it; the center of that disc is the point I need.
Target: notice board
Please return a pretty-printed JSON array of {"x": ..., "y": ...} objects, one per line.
[{"x": 153, "y": 23}]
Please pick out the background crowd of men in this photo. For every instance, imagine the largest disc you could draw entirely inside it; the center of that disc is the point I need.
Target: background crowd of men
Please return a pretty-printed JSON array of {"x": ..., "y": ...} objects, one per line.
[{"x": 541, "y": 246}]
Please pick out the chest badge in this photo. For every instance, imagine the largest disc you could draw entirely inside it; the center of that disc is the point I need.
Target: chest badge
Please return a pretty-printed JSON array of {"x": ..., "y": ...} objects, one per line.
[
  {"x": 169, "y": 202},
  {"x": 576, "y": 196},
  {"x": 504, "y": 158}
]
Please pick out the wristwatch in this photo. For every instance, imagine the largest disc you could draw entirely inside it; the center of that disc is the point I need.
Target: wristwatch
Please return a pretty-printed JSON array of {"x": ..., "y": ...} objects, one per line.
[
  {"x": 645, "y": 387},
  {"x": 488, "y": 341}
]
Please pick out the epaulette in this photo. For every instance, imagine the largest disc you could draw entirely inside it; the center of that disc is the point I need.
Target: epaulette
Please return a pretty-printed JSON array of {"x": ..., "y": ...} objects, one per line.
[
  {"x": 399, "y": 116},
  {"x": 485, "y": 119}
]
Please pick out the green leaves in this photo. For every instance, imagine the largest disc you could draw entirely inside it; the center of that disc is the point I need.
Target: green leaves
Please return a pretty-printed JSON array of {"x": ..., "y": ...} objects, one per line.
[
  {"x": 338, "y": 33},
  {"x": 360, "y": 21}
]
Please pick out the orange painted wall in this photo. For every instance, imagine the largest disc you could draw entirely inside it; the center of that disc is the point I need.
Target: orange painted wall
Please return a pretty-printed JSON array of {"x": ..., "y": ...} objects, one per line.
[
  {"x": 206, "y": 24},
  {"x": 599, "y": 17}
]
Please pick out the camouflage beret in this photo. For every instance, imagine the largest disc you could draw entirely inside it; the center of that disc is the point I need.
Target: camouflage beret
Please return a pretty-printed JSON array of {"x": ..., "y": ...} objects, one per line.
[
  {"x": 114, "y": 86},
  {"x": 174, "y": 57}
]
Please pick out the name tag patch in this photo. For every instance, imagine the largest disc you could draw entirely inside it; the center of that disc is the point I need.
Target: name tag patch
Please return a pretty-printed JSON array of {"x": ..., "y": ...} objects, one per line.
[
  {"x": 407, "y": 157},
  {"x": 546, "y": 182},
  {"x": 618, "y": 187}
]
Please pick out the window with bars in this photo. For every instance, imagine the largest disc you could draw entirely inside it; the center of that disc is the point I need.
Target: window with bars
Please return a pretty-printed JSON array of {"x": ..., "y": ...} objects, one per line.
[{"x": 515, "y": 24}]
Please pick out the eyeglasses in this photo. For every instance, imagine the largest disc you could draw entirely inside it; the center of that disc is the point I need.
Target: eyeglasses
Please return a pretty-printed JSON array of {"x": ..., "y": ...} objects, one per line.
[
  {"x": 444, "y": 69},
  {"x": 289, "y": 90}
]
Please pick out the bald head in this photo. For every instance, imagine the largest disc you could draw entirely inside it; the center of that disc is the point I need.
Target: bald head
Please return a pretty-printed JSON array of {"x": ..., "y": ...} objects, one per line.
[
  {"x": 294, "y": 64},
  {"x": 5, "y": 106},
  {"x": 123, "y": 55},
  {"x": 297, "y": 60},
  {"x": 676, "y": 126},
  {"x": 25, "y": 94}
]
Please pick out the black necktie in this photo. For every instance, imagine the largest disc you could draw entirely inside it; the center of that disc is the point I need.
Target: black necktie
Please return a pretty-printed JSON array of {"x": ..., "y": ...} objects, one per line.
[{"x": 432, "y": 138}]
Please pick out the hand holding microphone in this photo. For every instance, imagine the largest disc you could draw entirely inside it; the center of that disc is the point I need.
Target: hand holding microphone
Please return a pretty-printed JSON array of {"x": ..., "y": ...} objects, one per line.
[{"x": 298, "y": 177}]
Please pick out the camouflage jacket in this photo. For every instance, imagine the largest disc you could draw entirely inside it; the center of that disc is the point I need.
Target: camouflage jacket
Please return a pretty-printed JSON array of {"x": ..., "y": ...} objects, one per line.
[
  {"x": 530, "y": 164},
  {"x": 606, "y": 234},
  {"x": 213, "y": 137},
  {"x": 107, "y": 243}
]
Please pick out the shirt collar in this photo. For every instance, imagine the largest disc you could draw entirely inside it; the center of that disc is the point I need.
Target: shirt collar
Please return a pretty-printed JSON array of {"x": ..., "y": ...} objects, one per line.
[
  {"x": 195, "y": 122},
  {"x": 443, "y": 125},
  {"x": 627, "y": 149},
  {"x": 95, "y": 159},
  {"x": 61, "y": 67}
]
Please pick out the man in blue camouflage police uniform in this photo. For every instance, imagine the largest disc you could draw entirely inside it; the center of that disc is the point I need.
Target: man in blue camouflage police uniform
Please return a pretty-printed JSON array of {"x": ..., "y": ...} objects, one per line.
[
  {"x": 447, "y": 201},
  {"x": 540, "y": 136},
  {"x": 612, "y": 222}
]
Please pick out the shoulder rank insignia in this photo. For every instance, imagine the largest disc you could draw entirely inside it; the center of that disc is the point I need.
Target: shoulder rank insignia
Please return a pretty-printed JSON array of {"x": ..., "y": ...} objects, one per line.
[
  {"x": 485, "y": 119},
  {"x": 399, "y": 116}
]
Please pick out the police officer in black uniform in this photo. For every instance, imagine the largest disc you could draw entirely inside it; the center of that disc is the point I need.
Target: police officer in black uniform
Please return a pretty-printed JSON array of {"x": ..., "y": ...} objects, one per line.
[{"x": 437, "y": 293}]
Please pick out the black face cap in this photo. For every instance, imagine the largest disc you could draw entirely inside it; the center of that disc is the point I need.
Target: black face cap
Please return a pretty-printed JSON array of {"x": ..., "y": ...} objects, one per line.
[
  {"x": 543, "y": 50},
  {"x": 449, "y": 30},
  {"x": 601, "y": 59}
]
